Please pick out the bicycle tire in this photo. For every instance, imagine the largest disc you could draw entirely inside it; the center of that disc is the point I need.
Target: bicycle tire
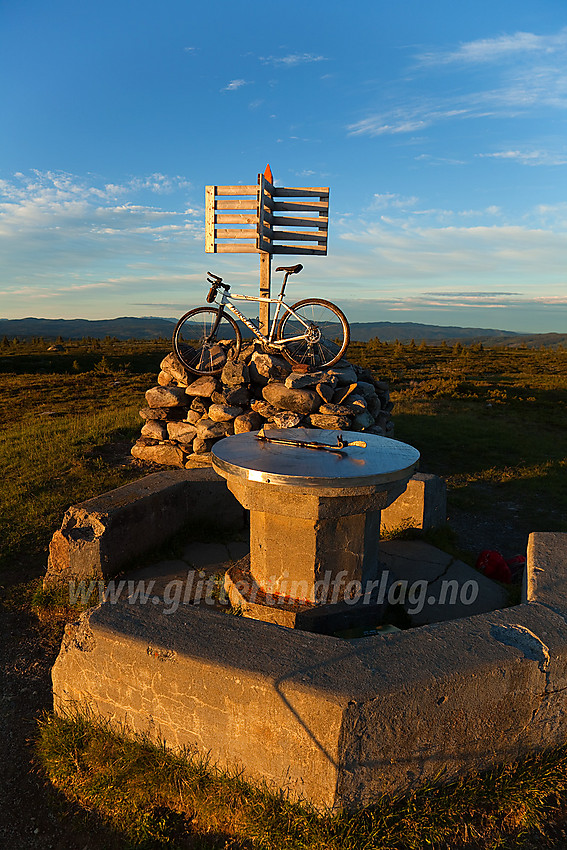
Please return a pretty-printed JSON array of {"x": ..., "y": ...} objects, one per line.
[
  {"x": 321, "y": 351},
  {"x": 201, "y": 353}
]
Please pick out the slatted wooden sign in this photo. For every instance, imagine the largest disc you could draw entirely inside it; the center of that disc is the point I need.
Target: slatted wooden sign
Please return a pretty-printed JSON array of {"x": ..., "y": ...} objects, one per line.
[
  {"x": 290, "y": 218},
  {"x": 266, "y": 218},
  {"x": 231, "y": 213}
]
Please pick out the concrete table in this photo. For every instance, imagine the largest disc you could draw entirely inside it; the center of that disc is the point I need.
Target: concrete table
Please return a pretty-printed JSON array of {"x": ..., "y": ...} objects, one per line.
[{"x": 314, "y": 514}]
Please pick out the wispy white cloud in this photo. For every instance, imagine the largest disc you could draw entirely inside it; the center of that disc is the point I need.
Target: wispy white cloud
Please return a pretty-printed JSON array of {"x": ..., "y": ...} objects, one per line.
[
  {"x": 410, "y": 118},
  {"x": 506, "y": 46},
  {"x": 405, "y": 251},
  {"x": 64, "y": 236},
  {"x": 438, "y": 160},
  {"x": 535, "y": 78},
  {"x": 528, "y": 314},
  {"x": 528, "y": 157},
  {"x": 386, "y": 200},
  {"x": 292, "y": 59},
  {"x": 234, "y": 85}
]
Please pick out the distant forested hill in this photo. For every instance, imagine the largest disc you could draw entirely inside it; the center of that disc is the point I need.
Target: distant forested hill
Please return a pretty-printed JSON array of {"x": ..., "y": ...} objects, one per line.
[
  {"x": 154, "y": 328},
  {"x": 123, "y": 328},
  {"x": 406, "y": 331}
]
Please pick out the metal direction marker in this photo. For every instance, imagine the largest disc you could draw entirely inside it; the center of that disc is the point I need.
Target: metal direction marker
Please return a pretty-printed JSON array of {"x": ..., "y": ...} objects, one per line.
[
  {"x": 380, "y": 461},
  {"x": 341, "y": 443}
]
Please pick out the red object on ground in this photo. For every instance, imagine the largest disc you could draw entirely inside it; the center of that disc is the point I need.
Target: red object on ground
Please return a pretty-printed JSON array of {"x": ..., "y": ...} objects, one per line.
[
  {"x": 516, "y": 565},
  {"x": 492, "y": 564}
]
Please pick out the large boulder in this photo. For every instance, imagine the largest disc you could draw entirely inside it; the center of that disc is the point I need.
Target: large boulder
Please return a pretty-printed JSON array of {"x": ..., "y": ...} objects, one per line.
[
  {"x": 203, "y": 387},
  {"x": 165, "y": 396},
  {"x": 164, "y": 453},
  {"x": 173, "y": 366},
  {"x": 298, "y": 401}
]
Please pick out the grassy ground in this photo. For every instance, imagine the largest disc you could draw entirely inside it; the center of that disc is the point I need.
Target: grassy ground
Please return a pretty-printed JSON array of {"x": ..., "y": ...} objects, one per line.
[
  {"x": 57, "y": 421},
  {"x": 152, "y": 798},
  {"x": 491, "y": 422}
]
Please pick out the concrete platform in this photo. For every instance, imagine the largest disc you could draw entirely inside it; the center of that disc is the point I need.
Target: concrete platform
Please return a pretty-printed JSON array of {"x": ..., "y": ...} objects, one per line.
[
  {"x": 332, "y": 722},
  {"x": 102, "y": 536},
  {"x": 435, "y": 586}
]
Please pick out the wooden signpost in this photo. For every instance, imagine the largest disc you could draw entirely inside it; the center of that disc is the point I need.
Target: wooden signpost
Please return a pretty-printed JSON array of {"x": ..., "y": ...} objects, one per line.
[{"x": 266, "y": 219}]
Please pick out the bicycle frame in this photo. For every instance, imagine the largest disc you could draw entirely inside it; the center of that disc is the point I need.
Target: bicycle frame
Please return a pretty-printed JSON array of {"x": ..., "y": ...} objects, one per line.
[{"x": 226, "y": 301}]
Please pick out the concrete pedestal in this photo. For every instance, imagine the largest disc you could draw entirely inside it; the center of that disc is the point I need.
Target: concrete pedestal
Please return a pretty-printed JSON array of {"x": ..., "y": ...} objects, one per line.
[
  {"x": 314, "y": 514},
  {"x": 302, "y": 541}
]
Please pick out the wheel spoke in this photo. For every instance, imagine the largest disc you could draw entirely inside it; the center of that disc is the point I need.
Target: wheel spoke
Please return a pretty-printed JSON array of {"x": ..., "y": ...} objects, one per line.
[
  {"x": 200, "y": 351},
  {"x": 325, "y": 324}
]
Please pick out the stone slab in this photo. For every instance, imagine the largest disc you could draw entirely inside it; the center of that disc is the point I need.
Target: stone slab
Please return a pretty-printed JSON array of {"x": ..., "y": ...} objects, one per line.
[
  {"x": 437, "y": 586},
  {"x": 322, "y": 719},
  {"x": 546, "y": 570},
  {"x": 422, "y": 505}
]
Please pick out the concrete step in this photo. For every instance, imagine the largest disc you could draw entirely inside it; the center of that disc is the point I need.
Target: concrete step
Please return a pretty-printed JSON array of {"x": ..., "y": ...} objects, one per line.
[{"x": 434, "y": 586}]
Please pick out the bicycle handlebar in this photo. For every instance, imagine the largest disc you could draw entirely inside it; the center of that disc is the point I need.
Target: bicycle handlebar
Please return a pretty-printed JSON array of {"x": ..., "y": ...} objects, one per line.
[{"x": 216, "y": 283}]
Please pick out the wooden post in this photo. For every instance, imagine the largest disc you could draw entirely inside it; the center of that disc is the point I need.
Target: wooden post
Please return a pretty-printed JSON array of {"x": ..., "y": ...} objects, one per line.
[
  {"x": 210, "y": 219},
  {"x": 265, "y": 261},
  {"x": 265, "y": 277},
  {"x": 266, "y": 219}
]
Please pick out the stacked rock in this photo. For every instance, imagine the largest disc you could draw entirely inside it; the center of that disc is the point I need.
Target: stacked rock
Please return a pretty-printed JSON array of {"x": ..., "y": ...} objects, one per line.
[{"x": 186, "y": 415}]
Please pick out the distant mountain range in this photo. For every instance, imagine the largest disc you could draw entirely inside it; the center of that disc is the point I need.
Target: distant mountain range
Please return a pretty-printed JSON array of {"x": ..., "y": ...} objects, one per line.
[{"x": 150, "y": 327}]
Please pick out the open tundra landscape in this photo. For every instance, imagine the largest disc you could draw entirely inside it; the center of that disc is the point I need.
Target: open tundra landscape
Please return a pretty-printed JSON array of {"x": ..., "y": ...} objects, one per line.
[
  {"x": 283, "y": 425},
  {"x": 489, "y": 420}
]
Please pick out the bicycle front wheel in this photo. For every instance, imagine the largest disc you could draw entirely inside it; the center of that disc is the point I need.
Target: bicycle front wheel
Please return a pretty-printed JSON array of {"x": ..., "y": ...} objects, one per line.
[
  {"x": 317, "y": 335},
  {"x": 204, "y": 343}
]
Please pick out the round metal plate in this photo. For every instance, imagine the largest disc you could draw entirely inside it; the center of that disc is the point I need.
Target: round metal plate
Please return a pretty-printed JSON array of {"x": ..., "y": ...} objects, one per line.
[{"x": 383, "y": 459}]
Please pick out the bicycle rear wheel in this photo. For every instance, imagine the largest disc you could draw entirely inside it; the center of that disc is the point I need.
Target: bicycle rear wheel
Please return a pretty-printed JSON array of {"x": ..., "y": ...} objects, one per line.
[
  {"x": 318, "y": 343},
  {"x": 204, "y": 343}
]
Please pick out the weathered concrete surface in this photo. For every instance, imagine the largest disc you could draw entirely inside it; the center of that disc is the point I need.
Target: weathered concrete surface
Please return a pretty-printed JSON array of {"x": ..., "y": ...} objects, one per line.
[
  {"x": 444, "y": 588},
  {"x": 298, "y": 535},
  {"x": 181, "y": 580},
  {"x": 423, "y": 505},
  {"x": 336, "y": 723},
  {"x": 101, "y": 536},
  {"x": 326, "y": 618},
  {"x": 546, "y": 571}
]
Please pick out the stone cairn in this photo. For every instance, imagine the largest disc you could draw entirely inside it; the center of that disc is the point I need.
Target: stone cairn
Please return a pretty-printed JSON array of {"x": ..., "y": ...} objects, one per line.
[{"x": 186, "y": 415}]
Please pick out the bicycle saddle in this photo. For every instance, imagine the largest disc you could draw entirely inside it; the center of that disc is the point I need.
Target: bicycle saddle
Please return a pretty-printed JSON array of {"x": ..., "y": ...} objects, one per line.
[{"x": 290, "y": 269}]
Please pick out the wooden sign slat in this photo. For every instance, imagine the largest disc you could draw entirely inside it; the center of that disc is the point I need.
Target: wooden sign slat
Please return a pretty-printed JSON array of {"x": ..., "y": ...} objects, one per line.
[
  {"x": 311, "y": 192},
  {"x": 274, "y": 248},
  {"x": 233, "y": 233},
  {"x": 298, "y": 221},
  {"x": 236, "y": 190},
  {"x": 299, "y": 206},
  {"x": 295, "y": 235},
  {"x": 236, "y": 204},
  {"x": 235, "y": 248},
  {"x": 236, "y": 218},
  {"x": 210, "y": 219}
]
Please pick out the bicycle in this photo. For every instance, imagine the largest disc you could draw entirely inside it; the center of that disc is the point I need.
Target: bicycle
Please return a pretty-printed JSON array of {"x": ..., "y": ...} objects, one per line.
[{"x": 311, "y": 334}]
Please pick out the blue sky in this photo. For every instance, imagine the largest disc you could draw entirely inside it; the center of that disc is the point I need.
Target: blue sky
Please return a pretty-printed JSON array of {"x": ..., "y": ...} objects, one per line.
[{"x": 439, "y": 127}]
